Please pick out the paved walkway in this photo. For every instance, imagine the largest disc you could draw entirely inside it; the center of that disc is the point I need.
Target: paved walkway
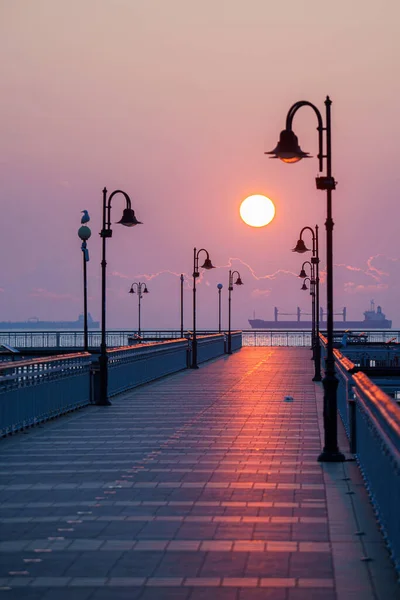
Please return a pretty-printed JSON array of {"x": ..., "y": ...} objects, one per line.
[{"x": 203, "y": 485}]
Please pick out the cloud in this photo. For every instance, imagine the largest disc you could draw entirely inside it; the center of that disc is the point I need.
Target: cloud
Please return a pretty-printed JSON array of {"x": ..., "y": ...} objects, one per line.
[
  {"x": 48, "y": 295},
  {"x": 257, "y": 293},
  {"x": 352, "y": 288}
]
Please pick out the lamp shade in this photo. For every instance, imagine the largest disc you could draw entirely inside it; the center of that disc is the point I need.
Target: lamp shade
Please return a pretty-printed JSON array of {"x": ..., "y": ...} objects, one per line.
[
  {"x": 239, "y": 281},
  {"x": 84, "y": 233},
  {"x": 128, "y": 218},
  {"x": 208, "y": 264},
  {"x": 304, "y": 286},
  {"x": 132, "y": 291},
  {"x": 288, "y": 149},
  {"x": 219, "y": 286},
  {"x": 300, "y": 247},
  {"x": 303, "y": 274},
  {"x": 145, "y": 291}
]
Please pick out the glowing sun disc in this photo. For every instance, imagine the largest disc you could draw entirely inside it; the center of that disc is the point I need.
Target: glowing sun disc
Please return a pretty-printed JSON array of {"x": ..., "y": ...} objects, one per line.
[{"x": 257, "y": 210}]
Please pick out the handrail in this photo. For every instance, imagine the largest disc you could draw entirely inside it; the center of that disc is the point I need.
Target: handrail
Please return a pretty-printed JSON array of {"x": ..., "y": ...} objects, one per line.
[
  {"x": 344, "y": 361},
  {"x": 382, "y": 405},
  {"x": 15, "y": 364}
]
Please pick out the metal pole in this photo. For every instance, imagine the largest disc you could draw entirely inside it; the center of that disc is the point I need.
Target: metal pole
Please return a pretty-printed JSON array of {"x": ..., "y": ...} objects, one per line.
[
  {"x": 182, "y": 280},
  {"x": 103, "y": 358},
  {"x": 331, "y": 451},
  {"x": 85, "y": 310},
  {"x": 317, "y": 362},
  {"x": 219, "y": 310},
  {"x": 194, "y": 340},
  {"x": 139, "y": 299},
  {"x": 229, "y": 313}
]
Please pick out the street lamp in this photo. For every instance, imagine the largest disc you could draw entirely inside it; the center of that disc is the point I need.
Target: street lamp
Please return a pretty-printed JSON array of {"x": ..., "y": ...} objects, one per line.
[
  {"x": 141, "y": 289},
  {"x": 288, "y": 150},
  {"x": 219, "y": 286},
  {"x": 182, "y": 280},
  {"x": 230, "y": 289},
  {"x": 301, "y": 248},
  {"x": 196, "y": 273},
  {"x": 84, "y": 234},
  {"x": 129, "y": 220}
]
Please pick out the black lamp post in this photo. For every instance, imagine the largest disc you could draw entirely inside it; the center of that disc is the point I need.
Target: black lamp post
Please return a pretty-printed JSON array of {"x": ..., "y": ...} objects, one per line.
[
  {"x": 182, "y": 280},
  {"x": 230, "y": 289},
  {"x": 219, "y": 286},
  {"x": 301, "y": 248},
  {"x": 129, "y": 220},
  {"x": 207, "y": 265},
  {"x": 303, "y": 275},
  {"x": 141, "y": 289},
  {"x": 84, "y": 234},
  {"x": 288, "y": 150}
]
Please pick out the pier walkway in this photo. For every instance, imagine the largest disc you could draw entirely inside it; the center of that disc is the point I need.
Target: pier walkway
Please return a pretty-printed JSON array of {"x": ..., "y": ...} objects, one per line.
[{"x": 201, "y": 486}]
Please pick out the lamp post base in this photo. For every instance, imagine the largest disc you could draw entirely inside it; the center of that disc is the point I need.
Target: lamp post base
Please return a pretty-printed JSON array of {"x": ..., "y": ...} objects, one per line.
[
  {"x": 103, "y": 403},
  {"x": 327, "y": 456},
  {"x": 194, "y": 366}
]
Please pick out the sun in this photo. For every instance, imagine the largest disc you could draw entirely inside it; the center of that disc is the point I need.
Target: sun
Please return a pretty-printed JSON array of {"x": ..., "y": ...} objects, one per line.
[{"x": 257, "y": 210}]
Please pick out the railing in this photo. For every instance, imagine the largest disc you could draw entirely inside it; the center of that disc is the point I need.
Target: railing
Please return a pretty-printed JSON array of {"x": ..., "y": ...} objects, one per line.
[
  {"x": 32, "y": 391},
  {"x": 131, "y": 366},
  {"x": 210, "y": 346},
  {"x": 371, "y": 419},
  {"x": 261, "y": 337},
  {"x": 236, "y": 341},
  {"x": 118, "y": 338},
  {"x": 375, "y": 427}
]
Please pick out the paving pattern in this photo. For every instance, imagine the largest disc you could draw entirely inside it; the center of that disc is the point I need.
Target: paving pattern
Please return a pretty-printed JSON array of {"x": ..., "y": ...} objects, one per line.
[{"x": 203, "y": 485}]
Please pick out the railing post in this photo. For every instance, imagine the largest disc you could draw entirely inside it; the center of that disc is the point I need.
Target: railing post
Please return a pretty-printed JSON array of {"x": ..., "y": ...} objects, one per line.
[{"x": 353, "y": 425}]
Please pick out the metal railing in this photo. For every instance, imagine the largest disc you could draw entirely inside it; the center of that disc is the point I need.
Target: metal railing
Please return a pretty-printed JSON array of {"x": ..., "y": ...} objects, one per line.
[
  {"x": 371, "y": 419},
  {"x": 32, "y": 391},
  {"x": 131, "y": 366}
]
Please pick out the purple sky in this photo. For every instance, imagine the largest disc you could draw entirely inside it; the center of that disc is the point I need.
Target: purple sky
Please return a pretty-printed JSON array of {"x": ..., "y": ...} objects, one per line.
[{"x": 175, "y": 102}]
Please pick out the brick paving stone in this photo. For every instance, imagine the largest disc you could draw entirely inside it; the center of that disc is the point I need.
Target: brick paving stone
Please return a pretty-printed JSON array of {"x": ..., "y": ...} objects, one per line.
[{"x": 201, "y": 485}]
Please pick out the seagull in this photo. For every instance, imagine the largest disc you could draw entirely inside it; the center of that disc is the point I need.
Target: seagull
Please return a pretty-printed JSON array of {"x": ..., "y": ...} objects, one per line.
[{"x": 85, "y": 218}]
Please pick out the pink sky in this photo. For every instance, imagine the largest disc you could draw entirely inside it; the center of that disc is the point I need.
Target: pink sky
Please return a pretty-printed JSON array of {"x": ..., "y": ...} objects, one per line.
[{"x": 175, "y": 102}]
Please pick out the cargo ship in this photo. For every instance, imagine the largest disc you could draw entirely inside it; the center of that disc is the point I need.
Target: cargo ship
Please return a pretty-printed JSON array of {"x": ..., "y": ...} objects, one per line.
[
  {"x": 35, "y": 323},
  {"x": 373, "y": 319}
]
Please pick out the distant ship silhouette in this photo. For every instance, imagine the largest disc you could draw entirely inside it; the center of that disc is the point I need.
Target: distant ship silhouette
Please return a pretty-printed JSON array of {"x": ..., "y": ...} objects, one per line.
[
  {"x": 373, "y": 319},
  {"x": 35, "y": 323}
]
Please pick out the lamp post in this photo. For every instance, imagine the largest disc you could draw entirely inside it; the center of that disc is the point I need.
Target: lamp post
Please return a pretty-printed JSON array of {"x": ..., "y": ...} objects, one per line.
[
  {"x": 129, "y": 220},
  {"x": 219, "y": 286},
  {"x": 84, "y": 234},
  {"x": 230, "y": 289},
  {"x": 141, "y": 289},
  {"x": 196, "y": 273},
  {"x": 182, "y": 280},
  {"x": 301, "y": 248},
  {"x": 312, "y": 294},
  {"x": 303, "y": 275},
  {"x": 288, "y": 150}
]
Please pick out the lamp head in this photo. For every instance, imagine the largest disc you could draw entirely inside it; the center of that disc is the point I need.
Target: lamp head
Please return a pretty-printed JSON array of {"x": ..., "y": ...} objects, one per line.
[
  {"x": 239, "y": 281},
  {"x": 303, "y": 274},
  {"x": 132, "y": 291},
  {"x": 304, "y": 286},
  {"x": 84, "y": 233},
  {"x": 288, "y": 149},
  {"x": 300, "y": 247},
  {"x": 208, "y": 264},
  {"x": 145, "y": 291},
  {"x": 219, "y": 286},
  {"x": 128, "y": 218}
]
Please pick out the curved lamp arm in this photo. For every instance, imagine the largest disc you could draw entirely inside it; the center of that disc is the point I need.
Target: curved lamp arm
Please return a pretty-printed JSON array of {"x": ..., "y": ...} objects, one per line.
[{"x": 289, "y": 120}]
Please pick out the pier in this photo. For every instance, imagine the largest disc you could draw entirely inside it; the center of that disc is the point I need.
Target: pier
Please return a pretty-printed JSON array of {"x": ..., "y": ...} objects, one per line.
[{"x": 202, "y": 484}]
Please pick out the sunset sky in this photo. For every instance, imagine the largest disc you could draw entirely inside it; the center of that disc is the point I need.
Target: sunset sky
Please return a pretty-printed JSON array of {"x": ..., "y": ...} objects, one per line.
[{"x": 175, "y": 102}]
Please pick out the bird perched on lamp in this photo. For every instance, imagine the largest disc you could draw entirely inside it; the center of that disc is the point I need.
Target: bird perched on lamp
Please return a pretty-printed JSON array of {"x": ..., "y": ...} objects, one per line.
[{"x": 85, "y": 218}]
